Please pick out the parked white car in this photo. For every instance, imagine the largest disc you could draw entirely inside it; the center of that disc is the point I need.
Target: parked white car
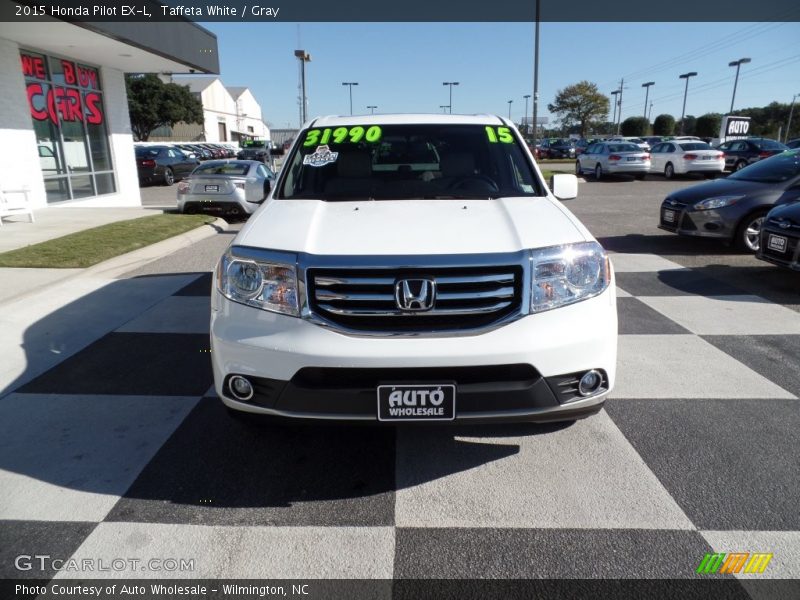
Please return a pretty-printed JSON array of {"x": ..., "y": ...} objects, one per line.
[
  {"x": 613, "y": 158},
  {"x": 678, "y": 157},
  {"x": 414, "y": 267},
  {"x": 225, "y": 187},
  {"x": 643, "y": 144}
]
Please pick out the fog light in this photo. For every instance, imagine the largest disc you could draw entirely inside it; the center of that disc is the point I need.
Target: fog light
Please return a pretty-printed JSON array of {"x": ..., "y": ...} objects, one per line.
[
  {"x": 240, "y": 388},
  {"x": 590, "y": 383}
]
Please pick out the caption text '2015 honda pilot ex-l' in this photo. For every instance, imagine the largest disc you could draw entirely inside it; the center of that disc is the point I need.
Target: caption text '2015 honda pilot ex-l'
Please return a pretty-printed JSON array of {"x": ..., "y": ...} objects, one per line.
[{"x": 414, "y": 268}]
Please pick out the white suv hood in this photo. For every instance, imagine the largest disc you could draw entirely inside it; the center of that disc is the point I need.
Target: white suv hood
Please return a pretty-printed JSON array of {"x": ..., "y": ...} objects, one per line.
[{"x": 410, "y": 227}]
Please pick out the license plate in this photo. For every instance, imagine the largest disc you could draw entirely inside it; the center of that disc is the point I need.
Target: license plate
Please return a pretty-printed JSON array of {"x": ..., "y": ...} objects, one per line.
[
  {"x": 212, "y": 188},
  {"x": 776, "y": 243},
  {"x": 706, "y": 157},
  {"x": 417, "y": 402},
  {"x": 632, "y": 158},
  {"x": 669, "y": 216}
]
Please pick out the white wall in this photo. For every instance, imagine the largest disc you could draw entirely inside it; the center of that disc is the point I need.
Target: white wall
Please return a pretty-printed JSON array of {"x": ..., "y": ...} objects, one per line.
[{"x": 19, "y": 158}]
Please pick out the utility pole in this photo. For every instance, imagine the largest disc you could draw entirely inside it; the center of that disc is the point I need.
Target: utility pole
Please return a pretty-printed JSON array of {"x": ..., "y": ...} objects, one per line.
[
  {"x": 372, "y": 108},
  {"x": 619, "y": 114}
]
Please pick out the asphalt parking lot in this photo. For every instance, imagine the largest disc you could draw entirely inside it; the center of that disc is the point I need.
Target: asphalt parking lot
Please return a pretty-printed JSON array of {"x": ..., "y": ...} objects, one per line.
[{"x": 696, "y": 451}]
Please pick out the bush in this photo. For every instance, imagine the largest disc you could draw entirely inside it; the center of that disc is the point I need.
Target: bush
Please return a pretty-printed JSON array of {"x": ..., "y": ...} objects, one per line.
[
  {"x": 708, "y": 125},
  {"x": 637, "y": 126},
  {"x": 664, "y": 125}
]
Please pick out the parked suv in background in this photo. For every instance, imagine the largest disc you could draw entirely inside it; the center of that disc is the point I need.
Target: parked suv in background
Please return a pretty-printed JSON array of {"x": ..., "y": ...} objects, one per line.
[
  {"x": 414, "y": 268},
  {"x": 740, "y": 153}
]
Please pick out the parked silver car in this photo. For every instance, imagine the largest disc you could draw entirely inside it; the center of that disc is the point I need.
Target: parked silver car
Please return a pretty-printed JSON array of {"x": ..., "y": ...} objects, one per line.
[
  {"x": 228, "y": 187},
  {"x": 611, "y": 158}
]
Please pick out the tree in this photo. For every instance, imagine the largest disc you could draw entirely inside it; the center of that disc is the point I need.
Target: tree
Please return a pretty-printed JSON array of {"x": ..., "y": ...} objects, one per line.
[
  {"x": 664, "y": 125},
  {"x": 153, "y": 104},
  {"x": 707, "y": 125},
  {"x": 635, "y": 126},
  {"x": 580, "y": 105},
  {"x": 688, "y": 125}
]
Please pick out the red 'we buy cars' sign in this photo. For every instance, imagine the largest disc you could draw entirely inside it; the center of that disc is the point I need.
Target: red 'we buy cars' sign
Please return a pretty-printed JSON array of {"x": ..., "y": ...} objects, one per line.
[{"x": 49, "y": 101}]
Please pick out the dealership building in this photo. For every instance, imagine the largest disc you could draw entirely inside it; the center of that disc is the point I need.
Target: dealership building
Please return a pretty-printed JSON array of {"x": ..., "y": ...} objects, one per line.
[{"x": 65, "y": 133}]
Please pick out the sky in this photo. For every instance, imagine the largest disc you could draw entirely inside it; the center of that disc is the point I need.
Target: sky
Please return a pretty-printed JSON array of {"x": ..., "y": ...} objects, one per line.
[{"x": 400, "y": 67}]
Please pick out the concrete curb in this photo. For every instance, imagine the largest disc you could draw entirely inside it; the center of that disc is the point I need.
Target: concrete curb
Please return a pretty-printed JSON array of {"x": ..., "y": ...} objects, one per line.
[{"x": 114, "y": 267}]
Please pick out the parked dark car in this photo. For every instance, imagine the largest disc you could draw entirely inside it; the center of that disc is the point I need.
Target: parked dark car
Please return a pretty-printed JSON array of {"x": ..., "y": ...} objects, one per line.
[
  {"x": 558, "y": 148},
  {"x": 200, "y": 152},
  {"x": 780, "y": 237},
  {"x": 163, "y": 164},
  {"x": 652, "y": 140},
  {"x": 254, "y": 150},
  {"x": 792, "y": 144},
  {"x": 740, "y": 153},
  {"x": 733, "y": 209}
]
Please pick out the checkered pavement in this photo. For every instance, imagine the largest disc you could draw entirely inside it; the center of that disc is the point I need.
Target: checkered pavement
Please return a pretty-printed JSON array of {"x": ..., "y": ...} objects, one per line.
[{"x": 122, "y": 450}]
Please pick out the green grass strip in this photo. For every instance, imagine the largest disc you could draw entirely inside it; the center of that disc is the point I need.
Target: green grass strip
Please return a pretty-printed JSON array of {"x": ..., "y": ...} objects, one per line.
[{"x": 91, "y": 246}]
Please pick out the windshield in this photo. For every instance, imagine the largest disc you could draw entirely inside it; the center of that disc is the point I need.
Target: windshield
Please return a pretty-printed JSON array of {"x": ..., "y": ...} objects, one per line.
[
  {"x": 776, "y": 169},
  {"x": 228, "y": 168},
  {"x": 152, "y": 151},
  {"x": 393, "y": 162}
]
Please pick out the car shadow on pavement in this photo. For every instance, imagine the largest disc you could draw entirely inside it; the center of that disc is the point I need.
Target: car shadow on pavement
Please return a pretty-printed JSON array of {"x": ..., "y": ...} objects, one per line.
[
  {"x": 112, "y": 388},
  {"x": 665, "y": 245}
]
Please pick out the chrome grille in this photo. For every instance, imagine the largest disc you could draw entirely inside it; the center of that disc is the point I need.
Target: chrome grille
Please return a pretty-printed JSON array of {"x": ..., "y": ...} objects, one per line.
[{"x": 364, "y": 299}]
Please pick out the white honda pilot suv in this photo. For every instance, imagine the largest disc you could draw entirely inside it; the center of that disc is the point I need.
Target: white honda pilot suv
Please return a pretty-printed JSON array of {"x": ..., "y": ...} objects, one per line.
[{"x": 414, "y": 268}]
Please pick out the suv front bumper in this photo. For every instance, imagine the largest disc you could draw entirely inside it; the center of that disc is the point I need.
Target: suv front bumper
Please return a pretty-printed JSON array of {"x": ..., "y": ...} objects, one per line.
[{"x": 512, "y": 373}]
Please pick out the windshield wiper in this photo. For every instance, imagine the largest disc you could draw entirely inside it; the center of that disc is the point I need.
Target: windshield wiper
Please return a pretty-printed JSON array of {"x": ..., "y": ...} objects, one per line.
[{"x": 459, "y": 197}]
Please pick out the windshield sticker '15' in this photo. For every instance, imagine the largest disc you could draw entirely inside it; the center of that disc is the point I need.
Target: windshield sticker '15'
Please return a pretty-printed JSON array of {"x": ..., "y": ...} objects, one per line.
[
  {"x": 342, "y": 135},
  {"x": 320, "y": 157},
  {"x": 503, "y": 134}
]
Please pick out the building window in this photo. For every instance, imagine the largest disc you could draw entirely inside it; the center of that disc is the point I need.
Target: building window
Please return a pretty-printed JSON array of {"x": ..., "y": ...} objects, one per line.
[{"x": 66, "y": 103}]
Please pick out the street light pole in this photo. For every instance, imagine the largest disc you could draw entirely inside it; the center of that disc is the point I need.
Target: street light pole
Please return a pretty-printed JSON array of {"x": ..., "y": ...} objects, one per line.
[
  {"x": 614, "y": 118},
  {"x": 372, "y": 108},
  {"x": 444, "y": 108},
  {"x": 303, "y": 57},
  {"x": 350, "y": 84},
  {"x": 451, "y": 84},
  {"x": 509, "y": 109},
  {"x": 535, "y": 76},
  {"x": 737, "y": 64},
  {"x": 650, "y": 113},
  {"x": 789, "y": 124},
  {"x": 526, "y": 96},
  {"x": 647, "y": 95},
  {"x": 685, "y": 76}
]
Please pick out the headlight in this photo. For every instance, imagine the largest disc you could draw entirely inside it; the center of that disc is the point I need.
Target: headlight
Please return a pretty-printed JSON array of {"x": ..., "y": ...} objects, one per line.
[
  {"x": 564, "y": 275},
  {"x": 718, "y": 202},
  {"x": 269, "y": 286}
]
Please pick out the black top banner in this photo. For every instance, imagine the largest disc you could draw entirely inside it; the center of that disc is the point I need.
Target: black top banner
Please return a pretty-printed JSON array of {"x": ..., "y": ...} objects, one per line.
[{"x": 404, "y": 11}]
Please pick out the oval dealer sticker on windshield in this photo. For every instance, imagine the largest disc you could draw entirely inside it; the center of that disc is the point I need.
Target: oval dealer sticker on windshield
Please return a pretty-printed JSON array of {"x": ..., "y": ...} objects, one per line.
[{"x": 320, "y": 157}]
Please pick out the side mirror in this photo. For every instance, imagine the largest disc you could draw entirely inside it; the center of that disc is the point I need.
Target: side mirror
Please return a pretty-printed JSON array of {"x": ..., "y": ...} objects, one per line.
[
  {"x": 267, "y": 188},
  {"x": 564, "y": 186}
]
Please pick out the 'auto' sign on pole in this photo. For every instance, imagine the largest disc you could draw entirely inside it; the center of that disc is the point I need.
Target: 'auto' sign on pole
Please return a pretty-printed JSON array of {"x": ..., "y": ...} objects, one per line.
[{"x": 734, "y": 127}]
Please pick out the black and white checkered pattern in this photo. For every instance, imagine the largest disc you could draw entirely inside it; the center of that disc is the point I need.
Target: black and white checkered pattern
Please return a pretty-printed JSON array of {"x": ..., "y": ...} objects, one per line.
[{"x": 121, "y": 449}]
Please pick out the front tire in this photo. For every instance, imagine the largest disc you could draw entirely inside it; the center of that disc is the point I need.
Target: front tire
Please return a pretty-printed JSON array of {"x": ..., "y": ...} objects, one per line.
[
  {"x": 598, "y": 172},
  {"x": 739, "y": 165},
  {"x": 169, "y": 176},
  {"x": 669, "y": 171},
  {"x": 578, "y": 170},
  {"x": 748, "y": 233}
]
